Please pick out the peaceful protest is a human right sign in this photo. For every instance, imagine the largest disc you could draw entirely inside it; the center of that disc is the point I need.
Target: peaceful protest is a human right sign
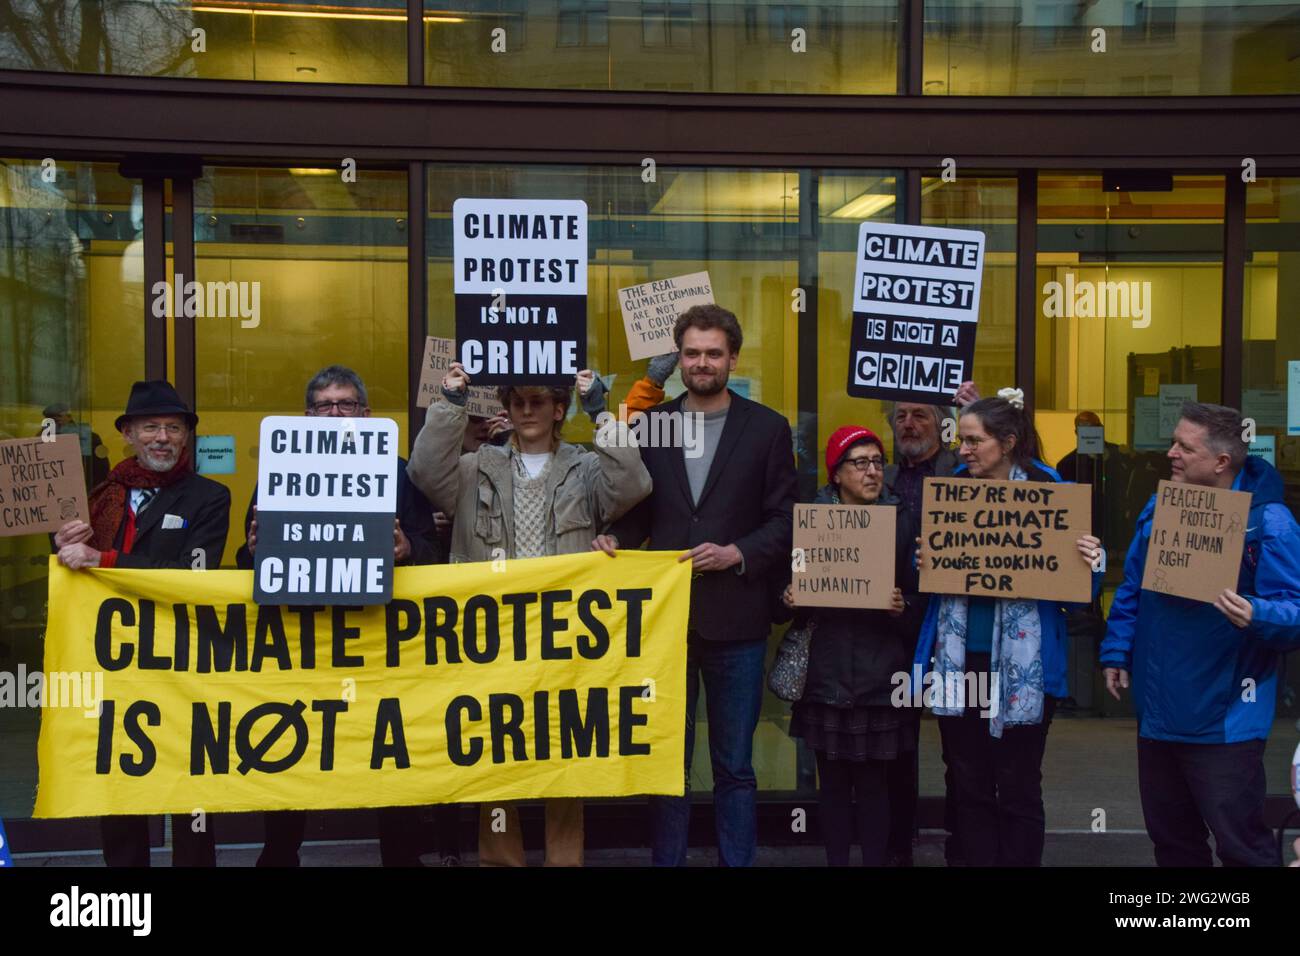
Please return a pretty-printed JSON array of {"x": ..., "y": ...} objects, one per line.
[
  {"x": 916, "y": 299},
  {"x": 1197, "y": 536},
  {"x": 1007, "y": 539},
  {"x": 326, "y": 501},
  {"x": 521, "y": 289}
]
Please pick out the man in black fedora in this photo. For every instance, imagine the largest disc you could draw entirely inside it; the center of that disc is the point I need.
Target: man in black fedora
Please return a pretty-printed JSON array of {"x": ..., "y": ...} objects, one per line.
[{"x": 152, "y": 511}]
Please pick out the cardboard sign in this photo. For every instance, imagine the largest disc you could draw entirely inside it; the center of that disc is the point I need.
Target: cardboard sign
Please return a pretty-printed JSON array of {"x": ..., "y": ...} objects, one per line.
[
  {"x": 843, "y": 555},
  {"x": 482, "y": 402},
  {"x": 916, "y": 300},
  {"x": 650, "y": 311},
  {"x": 214, "y": 454},
  {"x": 1197, "y": 536},
  {"x": 326, "y": 499},
  {"x": 521, "y": 289},
  {"x": 41, "y": 485},
  {"x": 1006, "y": 539},
  {"x": 439, "y": 353}
]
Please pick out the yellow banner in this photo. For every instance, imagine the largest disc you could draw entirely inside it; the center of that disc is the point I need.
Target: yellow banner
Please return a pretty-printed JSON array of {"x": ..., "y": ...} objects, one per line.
[{"x": 548, "y": 677}]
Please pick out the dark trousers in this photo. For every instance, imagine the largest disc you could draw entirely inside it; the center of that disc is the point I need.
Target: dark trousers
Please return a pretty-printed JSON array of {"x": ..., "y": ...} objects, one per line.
[
  {"x": 732, "y": 672},
  {"x": 399, "y": 840},
  {"x": 901, "y": 776},
  {"x": 126, "y": 841},
  {"x": 854, "y": 793},
  {"x": 1189, "y": 787},
  {"x": 997, "y": 787}
]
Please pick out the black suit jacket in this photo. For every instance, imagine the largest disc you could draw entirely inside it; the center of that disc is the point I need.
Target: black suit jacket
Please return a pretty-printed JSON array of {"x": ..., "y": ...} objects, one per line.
[
  {"x": 747, "y": 500},
  {"x": 204, "y": 507}
]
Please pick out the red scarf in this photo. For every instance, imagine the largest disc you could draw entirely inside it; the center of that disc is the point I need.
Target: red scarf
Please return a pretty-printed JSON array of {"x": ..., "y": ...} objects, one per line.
[{"x": 108, "y": 499}]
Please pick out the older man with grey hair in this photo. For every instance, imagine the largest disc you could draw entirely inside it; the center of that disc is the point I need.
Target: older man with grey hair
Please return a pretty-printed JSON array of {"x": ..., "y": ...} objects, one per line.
[{"x": 919, "y": 453}]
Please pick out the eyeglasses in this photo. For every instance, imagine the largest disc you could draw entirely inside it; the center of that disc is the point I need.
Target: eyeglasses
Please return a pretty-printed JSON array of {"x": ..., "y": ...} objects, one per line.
[
  {"x": 149, "y": 431},
  {"x": 866, "y": 464},
  {"x": 346, "y": 407},
  {"x": 973, "y": 441}
]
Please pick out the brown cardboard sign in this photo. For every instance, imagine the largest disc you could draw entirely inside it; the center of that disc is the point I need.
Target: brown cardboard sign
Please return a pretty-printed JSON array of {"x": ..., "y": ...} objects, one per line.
[
  {"x": 439, "y": 353},
  {"x": 1197, "y": 536},
  {"x": 843, "y": 555},
  {"x": 482, "y": 401},
  {"x": 41, "y": 485},
  {"x": 650, "y": 311},
  {"x": 1007, "y": 539}
]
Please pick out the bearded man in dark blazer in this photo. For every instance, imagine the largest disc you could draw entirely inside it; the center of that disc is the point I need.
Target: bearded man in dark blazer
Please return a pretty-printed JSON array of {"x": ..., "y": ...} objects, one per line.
[{"x": 726, "y": 501}]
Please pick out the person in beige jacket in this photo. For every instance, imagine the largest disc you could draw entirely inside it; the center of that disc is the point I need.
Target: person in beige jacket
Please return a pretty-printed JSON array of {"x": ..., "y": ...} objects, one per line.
[{"x": 534, "y": 497}]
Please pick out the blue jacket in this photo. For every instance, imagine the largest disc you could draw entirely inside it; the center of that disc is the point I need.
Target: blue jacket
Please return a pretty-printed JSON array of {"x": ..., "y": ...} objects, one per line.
[
  {"x": 1188, "y": 661},
  {"x": 1051, "y": 615}
]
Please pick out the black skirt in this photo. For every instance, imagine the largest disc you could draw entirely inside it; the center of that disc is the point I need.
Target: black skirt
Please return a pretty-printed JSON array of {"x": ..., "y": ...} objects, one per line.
[{"x": 853, "y": 733}]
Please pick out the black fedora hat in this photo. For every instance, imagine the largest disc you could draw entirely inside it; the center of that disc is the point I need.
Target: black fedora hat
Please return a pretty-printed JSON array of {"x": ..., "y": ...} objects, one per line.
[{"x": 155, "y": 398}]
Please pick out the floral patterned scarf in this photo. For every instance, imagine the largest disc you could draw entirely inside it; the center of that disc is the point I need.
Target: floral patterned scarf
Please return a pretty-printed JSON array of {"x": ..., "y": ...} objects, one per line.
[{"x": 1016, "y": 658}]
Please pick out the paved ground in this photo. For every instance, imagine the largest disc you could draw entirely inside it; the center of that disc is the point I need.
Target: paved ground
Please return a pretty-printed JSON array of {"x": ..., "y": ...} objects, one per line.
[{"x": 1063, "y": 849}]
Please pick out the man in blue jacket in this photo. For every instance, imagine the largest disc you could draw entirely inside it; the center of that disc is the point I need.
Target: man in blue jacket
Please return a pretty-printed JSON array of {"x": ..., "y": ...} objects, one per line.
[{"x": 1205, "y": 674}]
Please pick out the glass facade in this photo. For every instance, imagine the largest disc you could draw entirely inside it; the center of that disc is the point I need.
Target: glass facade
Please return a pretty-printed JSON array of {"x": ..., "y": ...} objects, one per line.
[
  {"x": 971, "y": 47},
  {"x": 71, "y": 299},
  {"x": 299, "y": 42},
  {"x": 1111, "y": 48},
  {"x": 328, "y": 263}
]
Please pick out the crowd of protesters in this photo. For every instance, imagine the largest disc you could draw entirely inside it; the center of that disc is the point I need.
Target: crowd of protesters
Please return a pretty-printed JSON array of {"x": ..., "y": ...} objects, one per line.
[{"x": 478, "y": 487}]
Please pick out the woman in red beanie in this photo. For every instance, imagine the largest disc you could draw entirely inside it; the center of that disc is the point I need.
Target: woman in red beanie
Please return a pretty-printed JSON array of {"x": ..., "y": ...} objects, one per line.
[{"x": 845, "y": 714}]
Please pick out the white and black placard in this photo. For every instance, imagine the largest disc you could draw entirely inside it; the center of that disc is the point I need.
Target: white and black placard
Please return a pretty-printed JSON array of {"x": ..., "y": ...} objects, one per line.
[
  {"x": 326, "y": 500},
  {"x": 521, "y": 289},
  {"x": 916, "y": 298}
]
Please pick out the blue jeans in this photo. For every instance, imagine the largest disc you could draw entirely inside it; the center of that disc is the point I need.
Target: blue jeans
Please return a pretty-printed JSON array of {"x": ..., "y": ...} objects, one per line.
[{"x": 733, "y": 694}]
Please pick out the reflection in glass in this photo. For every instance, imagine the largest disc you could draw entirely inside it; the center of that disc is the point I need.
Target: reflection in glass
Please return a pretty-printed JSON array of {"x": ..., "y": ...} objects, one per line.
[
  {"x": 1120, "y": 48},
  {"x": 300, "y": 41},
  {"x": 71, "y": 343},
  {"x": 754, "y": 47}
]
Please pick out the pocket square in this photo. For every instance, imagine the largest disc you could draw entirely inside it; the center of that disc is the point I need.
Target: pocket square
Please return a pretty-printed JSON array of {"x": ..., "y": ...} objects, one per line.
[{"x": 173, "y": 521}]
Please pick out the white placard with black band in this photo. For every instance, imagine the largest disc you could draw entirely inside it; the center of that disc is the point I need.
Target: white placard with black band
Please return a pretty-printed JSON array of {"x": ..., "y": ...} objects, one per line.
[
  {"x": 916, "y": 297},
  {"x": 521, "y": 289},
  {"x": 326, "y": 501}
]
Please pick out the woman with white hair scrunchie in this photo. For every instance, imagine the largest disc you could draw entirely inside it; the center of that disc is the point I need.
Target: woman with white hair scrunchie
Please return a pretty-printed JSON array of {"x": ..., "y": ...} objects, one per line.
[{"x": 1017, "y": 649}]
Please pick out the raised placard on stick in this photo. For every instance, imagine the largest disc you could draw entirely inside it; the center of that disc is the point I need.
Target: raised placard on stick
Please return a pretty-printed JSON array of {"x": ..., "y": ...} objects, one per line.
[
  {"x": 650, "y": 311},
  {"x": 41, "y": 485},
  {"x": 326, "y": 502},
  {"x": 843, "y": 555},
  {"x": 916, "y": 298},
  {"x": 521, "y": 289},
  {"x": 1197, "y": 536},
  {"x": 1007, "y": 539}
]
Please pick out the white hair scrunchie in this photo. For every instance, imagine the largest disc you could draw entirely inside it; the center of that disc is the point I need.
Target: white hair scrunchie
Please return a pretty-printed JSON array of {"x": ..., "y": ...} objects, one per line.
[{"x": 1013, "y": 395}]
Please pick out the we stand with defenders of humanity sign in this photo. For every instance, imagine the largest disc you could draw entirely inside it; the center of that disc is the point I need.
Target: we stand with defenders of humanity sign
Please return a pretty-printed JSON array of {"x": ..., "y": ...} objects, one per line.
[
  {"x": 916, "y": 298},
  {"x": 326, "y": 503},
  {"x": 559, "y": 678},
  {"x": 521, "y": 289}
]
